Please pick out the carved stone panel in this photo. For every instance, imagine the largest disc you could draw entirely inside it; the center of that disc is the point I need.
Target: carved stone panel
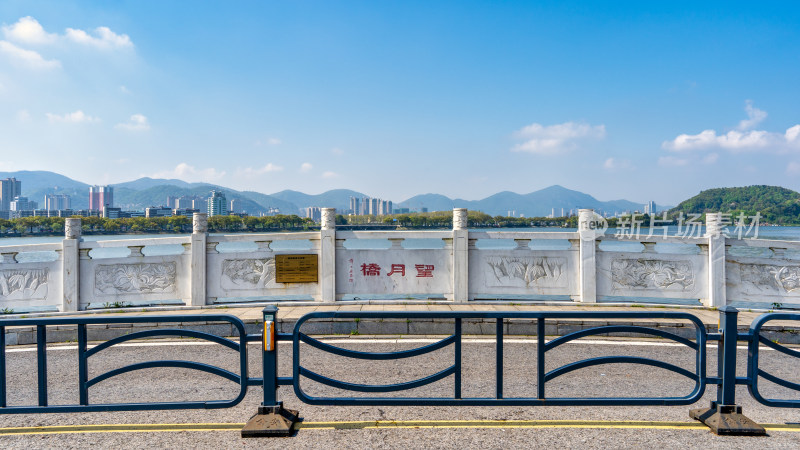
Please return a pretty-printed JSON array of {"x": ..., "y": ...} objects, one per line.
[
  {"x": 144, "y": 278},
  {"x": 770, "y": 278},
  {"x": 641, "y": 273},
  {"x": 526, "y": 272},
  {"x": 23, "y": 284},
  {"x": 247, "y": 274}
]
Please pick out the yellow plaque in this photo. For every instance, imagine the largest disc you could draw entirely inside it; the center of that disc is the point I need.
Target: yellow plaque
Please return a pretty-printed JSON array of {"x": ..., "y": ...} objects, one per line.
[{"x": 296, "y": 268}]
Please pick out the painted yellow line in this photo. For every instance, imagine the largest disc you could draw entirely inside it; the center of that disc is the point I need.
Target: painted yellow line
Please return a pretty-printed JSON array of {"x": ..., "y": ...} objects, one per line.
[{"x": 384, "y": 424}]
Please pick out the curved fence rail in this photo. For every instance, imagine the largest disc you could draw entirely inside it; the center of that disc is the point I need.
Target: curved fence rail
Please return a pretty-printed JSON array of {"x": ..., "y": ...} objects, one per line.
[
  {"x": 84, "y": 353},
  {"x": 754, "y": 372},
  {"x": 698, "y": 376}
]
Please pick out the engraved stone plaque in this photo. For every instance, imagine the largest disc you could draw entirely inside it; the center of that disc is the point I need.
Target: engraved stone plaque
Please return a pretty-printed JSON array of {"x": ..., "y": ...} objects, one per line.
[{"x": 296, "y": 268}]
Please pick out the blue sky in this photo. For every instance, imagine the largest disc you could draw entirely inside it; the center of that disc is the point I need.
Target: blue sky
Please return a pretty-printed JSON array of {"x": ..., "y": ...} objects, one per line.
[{"x": 633, "y": 100}]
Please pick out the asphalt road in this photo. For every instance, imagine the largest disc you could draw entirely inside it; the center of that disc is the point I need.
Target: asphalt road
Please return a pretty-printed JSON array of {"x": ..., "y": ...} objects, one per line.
[{"x": 478, "y": 380}]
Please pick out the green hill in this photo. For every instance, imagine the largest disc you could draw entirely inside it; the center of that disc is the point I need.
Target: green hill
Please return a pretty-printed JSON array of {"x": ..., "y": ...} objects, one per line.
[{"x": 776, "y": 204}]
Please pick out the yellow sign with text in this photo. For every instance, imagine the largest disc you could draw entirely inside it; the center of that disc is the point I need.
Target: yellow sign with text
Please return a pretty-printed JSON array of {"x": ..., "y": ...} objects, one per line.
[{"x": 296, "y": 268}]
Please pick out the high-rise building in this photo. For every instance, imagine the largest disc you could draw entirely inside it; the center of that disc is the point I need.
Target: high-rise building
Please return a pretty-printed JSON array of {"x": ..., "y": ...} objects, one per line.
[
  {"x": 217, "y": 204},
  {"x": 235, "y": 206},
  {"x": 9, "y": 189},
  {"x": 57, "y": 202},
  {"x": 314, "y": 213},
  {"x": 355, "y": 205},
  {"x": 22, "y": 204},
  {"x": 100, "y": 196},
  {"x": 171, "y": 201},
  {"x": 650, "y": 207}
]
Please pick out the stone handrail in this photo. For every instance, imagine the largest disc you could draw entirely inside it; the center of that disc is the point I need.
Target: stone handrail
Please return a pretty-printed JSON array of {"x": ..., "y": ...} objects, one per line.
[{"x": 455, "y": 268}]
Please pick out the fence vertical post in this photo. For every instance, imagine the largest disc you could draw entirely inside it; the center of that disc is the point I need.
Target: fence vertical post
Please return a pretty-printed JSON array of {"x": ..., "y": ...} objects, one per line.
[
  {"x": 2, "y": 367},
  {"x": 724, "y": 416},
  {"x": 272, "y": 419}
]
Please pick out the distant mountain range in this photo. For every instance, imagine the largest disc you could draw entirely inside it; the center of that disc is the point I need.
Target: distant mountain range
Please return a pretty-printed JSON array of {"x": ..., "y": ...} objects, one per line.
[{"x": 144, "y": 192}]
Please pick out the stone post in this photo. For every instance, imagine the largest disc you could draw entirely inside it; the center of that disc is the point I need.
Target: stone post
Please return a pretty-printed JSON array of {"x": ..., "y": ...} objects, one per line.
[
  {"x": 198, "y": 258},
  {"x": 70, "y": 260},
  {"x": 587, "y": 254},
  {"x": 327, "y": 256},
  {"x": 717, "y": 297},
  {"x": 460, "y": 255}
]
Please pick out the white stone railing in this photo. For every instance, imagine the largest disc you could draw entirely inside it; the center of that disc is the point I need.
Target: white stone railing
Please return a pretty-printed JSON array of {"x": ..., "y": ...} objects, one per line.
[{"x": 458, "y": 265}]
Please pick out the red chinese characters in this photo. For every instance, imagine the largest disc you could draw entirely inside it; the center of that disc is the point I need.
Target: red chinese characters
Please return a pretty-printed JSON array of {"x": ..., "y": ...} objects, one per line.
[
  {"x": 374, "y": 270},
  {"x": 370, "y": 270},
  {"x": 424, "y": 270},
  {"x": 397, "y": 268}
]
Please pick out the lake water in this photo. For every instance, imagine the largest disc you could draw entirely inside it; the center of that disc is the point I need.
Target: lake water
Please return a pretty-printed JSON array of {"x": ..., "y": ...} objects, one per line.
[{"x": 776, "y": 233}]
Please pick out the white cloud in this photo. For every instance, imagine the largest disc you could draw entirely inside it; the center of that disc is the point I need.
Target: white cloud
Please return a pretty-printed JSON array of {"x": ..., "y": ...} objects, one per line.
[
  {"x": 103, "y": 38},
  {"x": 617, "y": 164},
  {"x": 28, "y": 59},
  {"x": 28, "y": 30},
  {"x": 329, "y": 174},
  {"x": 736, "y": 141},
  {"x": 740, "y": 140},
  {"x": 306, "y": 167},
  {"x": 792, "y": 135},
  {"x": 671, "y": 161},
  {"x": 124, "y": 90},
  {"x": 273, "y": 141},
  {"x": 793, "y": 168},
  {"x": 337, "y": 151},
  {"x": 251, "y": 172},
  {"x": 553, "y": 139},
  {"x": 137, "y": 122},
  {"x": 73, "y": 117},
  {"x": 755, "y": 116},
  {"x": 185, "y": 172}
]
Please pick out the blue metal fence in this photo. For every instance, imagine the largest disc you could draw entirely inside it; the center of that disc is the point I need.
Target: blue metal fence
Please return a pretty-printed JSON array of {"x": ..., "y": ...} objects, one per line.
[
  {"x": 84, "y": 353},
  {"x": 725, "y": 378},
  {"x": 542, "y": 347}
]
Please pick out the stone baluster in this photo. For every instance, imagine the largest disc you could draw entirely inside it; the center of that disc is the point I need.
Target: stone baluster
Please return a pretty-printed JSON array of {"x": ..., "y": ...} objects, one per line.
[
  {"x": 460, "y": 255},
  {"x": 264, "y": 246},
  {"x": 522, "y": 244},
  {"x": 649, "y": 247},
  {"x": 9, "y": 258},
  {"x": 587, "y": 253},
  {"x": 716, "y": 261},
  {"x": 397, "y": 244},
  {"x": 70, "y": 280},
  {"x": 136, "y": 251},
  {"x": 327, "y": 252},
  {"x": 199, "y": 259}
]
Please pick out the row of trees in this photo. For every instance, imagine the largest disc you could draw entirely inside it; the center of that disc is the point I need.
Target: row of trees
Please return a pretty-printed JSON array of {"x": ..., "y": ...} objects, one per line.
[{"x": 174, "y": 224}]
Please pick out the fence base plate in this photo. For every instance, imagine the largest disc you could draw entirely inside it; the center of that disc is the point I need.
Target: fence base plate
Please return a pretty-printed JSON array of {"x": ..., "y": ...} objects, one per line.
[
  {"x": 271, "y": 421},
  {"x": 727, "y": 420}
]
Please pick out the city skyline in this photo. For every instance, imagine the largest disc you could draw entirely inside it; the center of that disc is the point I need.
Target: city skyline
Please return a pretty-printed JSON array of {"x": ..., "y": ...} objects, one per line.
[{"x": 646, "y": 102}]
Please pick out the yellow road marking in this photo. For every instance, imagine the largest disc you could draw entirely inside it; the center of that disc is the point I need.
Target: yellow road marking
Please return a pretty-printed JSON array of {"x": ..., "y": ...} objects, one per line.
[{"x": 384, "y": 424}]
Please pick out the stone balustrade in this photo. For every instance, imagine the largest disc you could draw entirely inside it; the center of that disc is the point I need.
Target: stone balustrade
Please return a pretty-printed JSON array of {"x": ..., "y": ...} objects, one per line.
[{"x": 457, "y": 265}]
